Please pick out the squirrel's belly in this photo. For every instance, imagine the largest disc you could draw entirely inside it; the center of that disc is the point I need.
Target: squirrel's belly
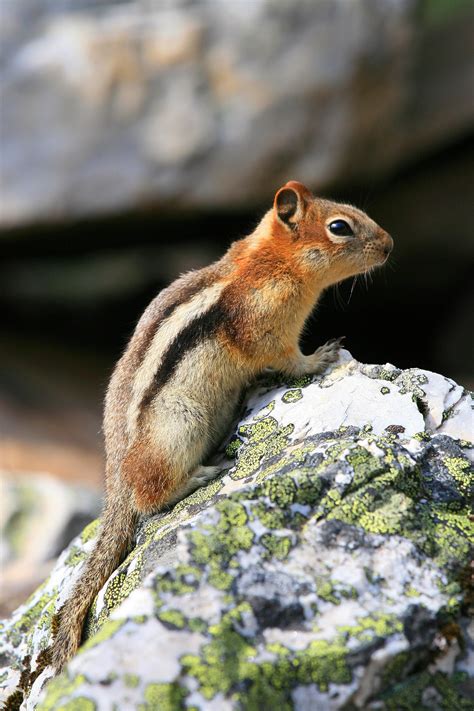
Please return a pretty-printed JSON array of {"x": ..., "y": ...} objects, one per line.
[{"x": 200, "y": 398}]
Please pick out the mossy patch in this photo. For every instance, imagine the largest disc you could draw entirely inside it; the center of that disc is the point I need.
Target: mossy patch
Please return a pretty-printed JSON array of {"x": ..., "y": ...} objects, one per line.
[
  {"x": 172, "y": 618},
  {"x": 265, "y": 438},
  {"x": 292, "y": 396},
  {"x": 58, "y": 689},
  {"x": 107, "y": 631},
  {"x": 418, "y": 692},
  {"x": 91, "y": 530},
  {"x": 377, "y": 625},
  {"x": 76, "y": 555},
  {"x": 228, "y": 665},
  {"x": 78, "y": 703},
  {"x": 461, "y": 470},
  {"x": 32, "y": 617},
  {"x": 164, "y": 697}
]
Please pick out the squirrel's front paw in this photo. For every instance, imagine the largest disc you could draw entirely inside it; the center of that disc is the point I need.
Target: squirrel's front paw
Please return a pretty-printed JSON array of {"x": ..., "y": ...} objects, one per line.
[{"x": 326, "y": 355}]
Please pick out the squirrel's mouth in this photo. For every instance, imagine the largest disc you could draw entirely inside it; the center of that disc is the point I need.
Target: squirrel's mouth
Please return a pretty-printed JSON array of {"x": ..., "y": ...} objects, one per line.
[{"x": 376, "y": 254}]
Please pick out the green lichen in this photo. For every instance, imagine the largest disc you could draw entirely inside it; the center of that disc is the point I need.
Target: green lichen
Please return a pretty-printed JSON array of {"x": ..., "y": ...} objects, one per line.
[
  {"x": 265, "y": 438},
  {"x": 58, "y": 689},
  {"x": 409, "y": 695},
  {"x": 90, "y": 531},
  {"x": 276, "y": 546},
  {"x": 279, "y": 649},
  {"x": 395, "y": 669},
  {"x": 461, "y": 470},
  {"x": 384, "y": 390},
  {"x": 228, "y": 665},
  {"x": 364, "y": 464},
  {"x": 44, "y": 622},
  {"x": 265, "y": 411},
  {"x": 384, "y": 496},
  {"x": 280, "y": 490},
  {"x": 163, "y": 697},
  {"x": 388, "y": 517},
  {"x": 334, "y": 591},
  {"x": 107, "y": 630},
  {"x": 377, "y": 625},
  {"x": 221, "y": 661},
  {"x": 447, "y": 413},
  {"x": 174, "y": 618},
  {"x": 31, "y": 618},
  {"x": 410, "y": 381},
  {"x": 79, "y": 703},
  {"x": 292, "y": 396},
  {"x": 154, "y": 528},
  {"x": 325, "y": 590},
  {"x": 196, "y": 624},
  {"x": 300, "y": 381},
  {"x": 302, "y": 485},
  {"x": 444, "y": 535},
  {"x": 200, "y": 496},
  {"x": 75, "y": 556},
  {"x": 215, "y": 546},
  {"x": 112, "y": 593},
  {"x": 131, "y": 680},
  {"x": 270, "y": 517},
  {"x": 233, "y": 447},
  {"x": 121, "y": 585},
  {"x": 181, "y": 580}
]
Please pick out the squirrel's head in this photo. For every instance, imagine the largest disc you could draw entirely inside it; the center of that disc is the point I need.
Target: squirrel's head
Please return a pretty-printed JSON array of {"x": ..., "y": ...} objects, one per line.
[{"x": 329, "y": 238}]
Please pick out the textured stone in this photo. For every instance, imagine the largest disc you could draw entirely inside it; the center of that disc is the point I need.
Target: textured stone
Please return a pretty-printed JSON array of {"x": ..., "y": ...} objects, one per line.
[
  {"x": 325, "y": 568},
  {"x": 39, "y": 516},
  {"x": 111, "y": 106}
]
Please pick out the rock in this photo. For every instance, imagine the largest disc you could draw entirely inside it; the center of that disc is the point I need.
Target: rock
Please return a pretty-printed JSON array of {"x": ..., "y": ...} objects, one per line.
[
  {"x": 325, "y": 568},
  {"x": 40, "y": 515},
  {"x": 112, "y": 106}
]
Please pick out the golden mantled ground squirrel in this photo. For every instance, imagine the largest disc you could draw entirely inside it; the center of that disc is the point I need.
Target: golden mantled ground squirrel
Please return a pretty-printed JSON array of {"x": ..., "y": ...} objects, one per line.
[{"x": 174, "y": 392}]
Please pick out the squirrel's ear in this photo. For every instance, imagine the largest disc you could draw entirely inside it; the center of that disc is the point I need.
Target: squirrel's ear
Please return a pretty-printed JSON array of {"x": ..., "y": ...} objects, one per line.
[{"x": 291, "y": 202}]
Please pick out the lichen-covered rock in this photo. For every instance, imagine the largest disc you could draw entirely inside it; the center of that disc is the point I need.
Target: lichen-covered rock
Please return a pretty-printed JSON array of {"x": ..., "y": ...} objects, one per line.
[
  {"x": 39, "y": 516},
  {"x": 109, "y": 105},
  {"x": 326, "y": 568}
]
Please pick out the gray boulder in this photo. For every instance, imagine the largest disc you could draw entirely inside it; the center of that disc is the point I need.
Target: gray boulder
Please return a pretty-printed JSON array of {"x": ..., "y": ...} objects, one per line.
[
  {"x": 326, "y": 568},
  {"x": 110, "y": 106},
  {"x": 39, "y": 517}
]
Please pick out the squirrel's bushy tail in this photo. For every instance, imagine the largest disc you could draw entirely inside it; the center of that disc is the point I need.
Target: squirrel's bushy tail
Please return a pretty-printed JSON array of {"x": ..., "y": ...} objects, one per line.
[{"x": 113, "y": 543}]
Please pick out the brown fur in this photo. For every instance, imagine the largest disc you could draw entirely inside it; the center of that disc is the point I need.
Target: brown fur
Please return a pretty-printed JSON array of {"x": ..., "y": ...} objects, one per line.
[
  {"x": 173, "y": 393},
  {"x": 148, "y": 475}
]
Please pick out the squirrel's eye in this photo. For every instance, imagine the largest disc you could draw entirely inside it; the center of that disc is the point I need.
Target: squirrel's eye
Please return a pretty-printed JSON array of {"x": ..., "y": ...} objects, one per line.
[{"x": 341, "y": 228}]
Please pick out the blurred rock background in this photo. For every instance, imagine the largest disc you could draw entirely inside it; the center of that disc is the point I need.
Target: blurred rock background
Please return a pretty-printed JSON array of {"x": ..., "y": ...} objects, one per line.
[{"x": 139, "y": 138}]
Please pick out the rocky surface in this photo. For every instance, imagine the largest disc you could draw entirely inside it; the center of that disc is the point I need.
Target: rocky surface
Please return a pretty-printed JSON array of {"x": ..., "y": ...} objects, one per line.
[
  {"x": 39, "y": 516},
  {"x": 109, "y": 106},
  {"x": 325, "y": 568}
]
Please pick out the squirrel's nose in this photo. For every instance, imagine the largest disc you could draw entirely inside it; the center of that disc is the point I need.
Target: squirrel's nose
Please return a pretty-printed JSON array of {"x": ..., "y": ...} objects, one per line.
[{"x": 387, "y": 243}]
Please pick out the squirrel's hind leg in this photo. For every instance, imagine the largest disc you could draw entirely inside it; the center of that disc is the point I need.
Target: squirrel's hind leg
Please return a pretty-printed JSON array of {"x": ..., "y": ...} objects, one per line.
[
  {"x": 199, "y": 477},
  {"x": 163, "y": 463},
  {"x": 149, "y": 474}
]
